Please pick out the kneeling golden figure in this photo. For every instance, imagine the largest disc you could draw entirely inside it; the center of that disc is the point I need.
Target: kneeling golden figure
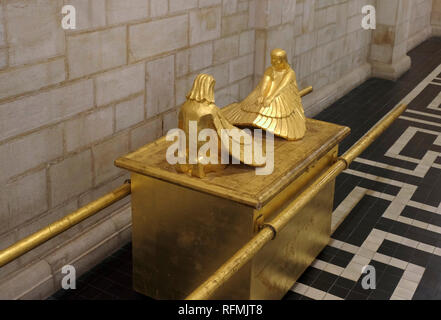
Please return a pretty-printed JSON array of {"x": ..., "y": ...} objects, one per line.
[
  {"x": 200, "y": 109},
  {"x": 275, "y": 105}
]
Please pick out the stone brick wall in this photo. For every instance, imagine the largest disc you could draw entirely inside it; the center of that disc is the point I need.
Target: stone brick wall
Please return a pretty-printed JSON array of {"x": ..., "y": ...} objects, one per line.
[
  {"x": 73, "y": 101},
  {"x": 329, "y": 51}
]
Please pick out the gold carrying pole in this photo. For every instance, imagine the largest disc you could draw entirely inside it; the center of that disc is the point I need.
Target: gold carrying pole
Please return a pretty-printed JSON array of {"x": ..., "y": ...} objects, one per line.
[
  {"x": 305, "y": 91},
  {"x": 270, "y": 230},
  {"x": 20, "y": 248}
]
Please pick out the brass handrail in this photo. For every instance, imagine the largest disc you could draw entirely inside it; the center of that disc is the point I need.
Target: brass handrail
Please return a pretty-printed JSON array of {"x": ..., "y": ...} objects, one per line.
[
  {"x": 270, "y": 230},
  {"x": 25, "y": 245}
]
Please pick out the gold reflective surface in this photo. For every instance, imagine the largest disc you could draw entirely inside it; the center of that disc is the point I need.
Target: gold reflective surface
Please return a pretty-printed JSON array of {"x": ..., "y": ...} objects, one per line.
[
  {"x": 240, "y": 182},
  {"x": 200, "y": 109},
  {"x": 181, "y": 236},
  {"x": 278, "y": 265},
  {"x": 270, "y": 230},
  {"x": 185, "y": 227},
  {"x": 275, "y": 105}
]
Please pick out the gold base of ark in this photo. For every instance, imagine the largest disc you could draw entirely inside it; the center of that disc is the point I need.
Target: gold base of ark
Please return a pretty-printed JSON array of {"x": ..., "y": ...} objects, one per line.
[{"x": 185, "y": 228}]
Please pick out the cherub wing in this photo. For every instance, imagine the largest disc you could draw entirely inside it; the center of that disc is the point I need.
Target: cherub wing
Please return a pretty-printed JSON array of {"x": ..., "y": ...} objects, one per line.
[{"x": 237, "y": 139}]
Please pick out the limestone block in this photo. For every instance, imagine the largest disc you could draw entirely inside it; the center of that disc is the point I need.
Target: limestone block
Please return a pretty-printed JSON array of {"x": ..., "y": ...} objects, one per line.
[
  {"x": 308, "y": 16},
  {"x": 166, "y": 34},
  {"x": 182, "y": 62},
  {"x": 88, "y": 128},
  {"x": 145, "y": 134},
  {"x": 183, "y": 86},
  {"x": 70, "y": 177},
  {"x": 209, "y": 3},
  {"x": 342, "y": 19},
  {"x": 354, "y": 23},
  {"x": 241, "y": 68},
  {"x": 297, "y": 26},
  {"x": 2, "y": 28},
  {"x": 181, "y": 5},
  {"x": 387, "y": 12},
  {"x": 44, "y": 108},
  {"x": 247, "y": 42},
  {"x": 229, "y": 7},
  {"x": 252, "y": 14},
  {"x": 118, "y": 84},
  {"x": 391, "y": 71},
  {"x": 305, "y": 43},
  {"x": 158, "y": 8},
  {"x": 22, "y": 281},
  {"x": 105, "y": 154},
  {"x": 170, "y": 121},
  {"x": 201, "y": 56},
  {"x": 243, "y": 6},
  {"x": 436, "y": 13},
  {"x": 326, "y": 34},
  {"x": 205, "y": 24},
  {"x": 3, "y": 58},
  {"x": 123, "y": 11},
  {"x": 354, "y": 7},
  {"x": 160, "y": 86},
  {"x": 234, "y": 24},
  {"x": 226, "y": 48},
  {"x": 381, "y": 53},
  {"x": 320, "y": 18},
  {"x": 23, "y": 200},
  {"x": 275, "y": 11},
  {"x": 30, "y": 78},
  {"x": 33, "y": 30},
  {"x": 227, "y": 95},
  {"x": 288, "y": 11},
  {"x": 22, "y": 154},
  {"x": 245, "y": 88},
  {"x": 260, "y": 52},
  {"x": 384, "y": 35},
  {"x": 129, "y": 113},
  {"x": 97, "y": 51},
  {"x": 220, "y": 73}
]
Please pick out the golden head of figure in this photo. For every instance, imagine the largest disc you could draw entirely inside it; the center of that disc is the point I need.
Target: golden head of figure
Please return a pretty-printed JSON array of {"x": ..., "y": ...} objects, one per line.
[
  {"x": 203, "y": 89},
  {"x": 279, "y": 59}
]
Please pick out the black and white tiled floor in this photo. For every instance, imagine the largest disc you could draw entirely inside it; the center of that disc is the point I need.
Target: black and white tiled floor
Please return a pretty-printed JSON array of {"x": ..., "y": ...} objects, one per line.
[
  {"x": 387, "y": 207},
  {"x": 388, "y": 212}
]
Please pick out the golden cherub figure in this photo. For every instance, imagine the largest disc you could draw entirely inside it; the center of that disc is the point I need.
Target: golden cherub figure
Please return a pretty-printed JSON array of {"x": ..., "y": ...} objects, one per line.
[
  {"x": 275, "y": 105},
  {"x": 198, "y": 113}
]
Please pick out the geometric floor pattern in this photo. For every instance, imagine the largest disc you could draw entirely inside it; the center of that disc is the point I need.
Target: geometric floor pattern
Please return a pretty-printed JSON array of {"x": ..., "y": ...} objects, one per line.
[{"x": 387, "y": 211}]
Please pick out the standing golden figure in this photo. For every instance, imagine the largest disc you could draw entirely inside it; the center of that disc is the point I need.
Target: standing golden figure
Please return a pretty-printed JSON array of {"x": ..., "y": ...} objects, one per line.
[{"x": 275, "y": 105}]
